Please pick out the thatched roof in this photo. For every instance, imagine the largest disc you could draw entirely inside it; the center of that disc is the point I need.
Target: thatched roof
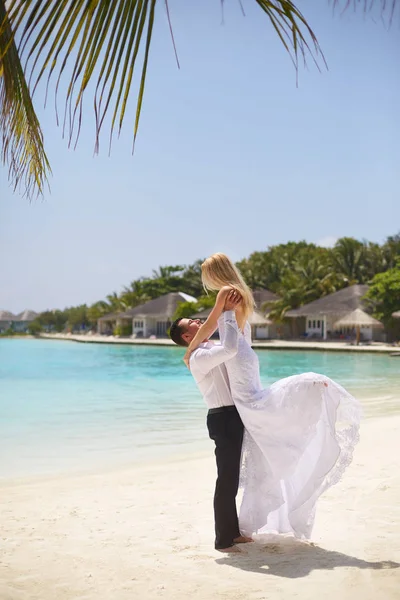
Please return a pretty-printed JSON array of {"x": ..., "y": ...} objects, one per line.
[
  {"x": 396, "y": 314},
  {"x": 110, "y": 317},
  {"x": 163, "y": 307},
  {"x": 5, "y": 315},
  {"x": 262, "y": 296},
  {"x": 343, "y": 301},
  {"x": 257, "y": 319},
  {"x": 358, "y": 318},
  {"x": 27, "y": 315}
]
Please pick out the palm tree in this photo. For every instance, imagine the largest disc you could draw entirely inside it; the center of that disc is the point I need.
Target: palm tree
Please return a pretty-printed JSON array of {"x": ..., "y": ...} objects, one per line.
[
  {"x": 134, "y": 295},
  {"x": 348, "y": 258},
  {"x": 115, "y": 303},
  {"x": 103, "y": 40},
  {"x": 97, "y": 310}
]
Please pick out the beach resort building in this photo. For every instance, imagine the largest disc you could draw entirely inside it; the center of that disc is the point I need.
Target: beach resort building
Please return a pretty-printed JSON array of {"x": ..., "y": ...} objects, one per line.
[
  {"x": 320, "y": 319},
  {"x": 18, "y": 323},
  {"x": 6, "y": 320},
  {"x": 153, "y": 318},
  {"x": 23, "y": 320}
]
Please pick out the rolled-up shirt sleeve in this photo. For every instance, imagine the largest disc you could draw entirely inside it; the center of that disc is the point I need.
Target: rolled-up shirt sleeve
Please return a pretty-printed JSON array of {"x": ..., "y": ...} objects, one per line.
[{"x": 205, "y": 359}]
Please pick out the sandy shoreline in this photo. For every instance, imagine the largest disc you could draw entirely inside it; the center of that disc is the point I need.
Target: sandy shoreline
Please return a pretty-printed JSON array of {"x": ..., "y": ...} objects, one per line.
[
  {"x": 146, "y": 532},
  {"x": 266, "y": 345}
]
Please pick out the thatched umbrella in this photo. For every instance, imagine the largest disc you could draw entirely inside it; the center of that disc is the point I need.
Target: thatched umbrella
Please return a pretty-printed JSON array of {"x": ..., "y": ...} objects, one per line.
[
  {"x": 358, "y": 318},
  {"x": 396, "y": 314},
  {"x": 256, "y": 319}
]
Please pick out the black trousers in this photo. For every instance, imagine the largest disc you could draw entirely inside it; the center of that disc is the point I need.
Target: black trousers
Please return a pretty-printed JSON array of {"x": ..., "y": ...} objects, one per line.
[{"x": 226, "y": 429}]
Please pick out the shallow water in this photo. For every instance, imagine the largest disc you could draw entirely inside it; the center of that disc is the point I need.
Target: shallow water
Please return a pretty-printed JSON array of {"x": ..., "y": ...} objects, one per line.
[{"x": 74, "y": 406}]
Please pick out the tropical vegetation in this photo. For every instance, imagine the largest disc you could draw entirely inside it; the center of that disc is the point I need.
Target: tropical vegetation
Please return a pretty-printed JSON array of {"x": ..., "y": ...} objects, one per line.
[{"x": 298, "y": 272}]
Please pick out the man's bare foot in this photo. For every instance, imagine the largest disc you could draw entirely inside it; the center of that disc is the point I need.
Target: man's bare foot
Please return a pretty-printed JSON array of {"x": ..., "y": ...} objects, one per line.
[
  {"x": 231, "y": 549},
  {"x": 243, "y": 539}
]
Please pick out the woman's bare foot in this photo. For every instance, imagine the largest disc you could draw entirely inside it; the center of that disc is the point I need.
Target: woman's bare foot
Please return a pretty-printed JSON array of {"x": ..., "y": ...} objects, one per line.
[
  {"x": 243, "y": 539},
  {"x": 232, "y": 549}
]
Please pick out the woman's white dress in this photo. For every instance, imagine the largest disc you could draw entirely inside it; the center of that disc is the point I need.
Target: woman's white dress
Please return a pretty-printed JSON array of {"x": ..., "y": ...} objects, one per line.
[{"x": 300, "y": 434}]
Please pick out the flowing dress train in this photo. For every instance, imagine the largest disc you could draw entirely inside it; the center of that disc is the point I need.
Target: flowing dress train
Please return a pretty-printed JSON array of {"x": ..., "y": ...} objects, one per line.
[{"x": 300, "y": 434}]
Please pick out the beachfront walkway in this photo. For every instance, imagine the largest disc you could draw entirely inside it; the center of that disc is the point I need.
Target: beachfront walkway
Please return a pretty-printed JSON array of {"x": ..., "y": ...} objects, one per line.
[{"x": 259, "y": 345}]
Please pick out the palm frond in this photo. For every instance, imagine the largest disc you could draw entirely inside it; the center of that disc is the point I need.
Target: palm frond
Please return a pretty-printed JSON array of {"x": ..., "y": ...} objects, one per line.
[
  {"x": 387, "y": 8},
  {"x": 293, "y": 30},
  {"x": 101, "y": 39},
  {"x": 21, "y": 140},
  {"x": 102, "y": 42}
]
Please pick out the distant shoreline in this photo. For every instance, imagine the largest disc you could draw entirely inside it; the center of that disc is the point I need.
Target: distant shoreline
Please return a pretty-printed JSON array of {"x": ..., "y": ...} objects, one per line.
[{"x": 258, "y": 345}]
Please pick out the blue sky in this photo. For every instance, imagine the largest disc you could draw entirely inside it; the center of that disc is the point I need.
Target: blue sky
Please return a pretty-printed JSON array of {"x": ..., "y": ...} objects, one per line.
[{"x": 231, "y": 156}]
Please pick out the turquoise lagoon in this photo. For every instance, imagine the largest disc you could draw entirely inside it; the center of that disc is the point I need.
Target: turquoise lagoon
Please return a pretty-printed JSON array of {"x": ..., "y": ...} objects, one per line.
[{"x": 66, "y": 406}]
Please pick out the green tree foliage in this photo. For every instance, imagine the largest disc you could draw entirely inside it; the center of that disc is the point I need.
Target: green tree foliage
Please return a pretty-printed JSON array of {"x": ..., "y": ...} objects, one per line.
[
  {"x": 384, "y": 293},
  {"x": 187, "y": 309},
  {"x": 51, "y": 320},
  {"x": 35, "y": 327},
  {"x": 97, "y": 310},
  {"x": 297, "y": 272},
  {"x": 384, "y": 297}
]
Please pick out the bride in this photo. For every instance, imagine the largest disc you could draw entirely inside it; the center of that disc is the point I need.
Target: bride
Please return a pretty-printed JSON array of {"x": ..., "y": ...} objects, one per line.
[{"x": 299, "y": 433}]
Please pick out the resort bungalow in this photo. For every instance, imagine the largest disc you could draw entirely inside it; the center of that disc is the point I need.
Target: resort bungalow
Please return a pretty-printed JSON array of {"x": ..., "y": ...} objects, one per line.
[
  {"x": 23, "y": 320},
  {"x": 270, "y": 329},
  {"x": 322, "y": 318},
  {"x": 6, "y": 320},
  {"x": 150, "y": 319}
]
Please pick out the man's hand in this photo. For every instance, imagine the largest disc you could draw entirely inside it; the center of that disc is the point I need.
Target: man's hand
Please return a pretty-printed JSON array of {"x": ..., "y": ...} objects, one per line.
[{"x": 233, "y": 300}]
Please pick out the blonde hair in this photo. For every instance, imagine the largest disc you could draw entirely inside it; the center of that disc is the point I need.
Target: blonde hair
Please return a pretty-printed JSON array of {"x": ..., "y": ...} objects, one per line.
[{"x": 218, "y": 270}]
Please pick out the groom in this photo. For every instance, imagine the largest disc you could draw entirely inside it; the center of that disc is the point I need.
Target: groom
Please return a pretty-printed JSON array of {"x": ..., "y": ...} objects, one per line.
[{"x": 223, "y": 421}]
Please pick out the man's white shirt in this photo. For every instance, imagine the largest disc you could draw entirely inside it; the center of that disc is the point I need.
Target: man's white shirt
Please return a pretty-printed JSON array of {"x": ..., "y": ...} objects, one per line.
[{"x": 208, "y": 368}]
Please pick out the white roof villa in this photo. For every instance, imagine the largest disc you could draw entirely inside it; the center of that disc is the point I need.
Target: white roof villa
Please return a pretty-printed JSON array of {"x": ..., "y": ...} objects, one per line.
[
  {"x": 152, "y": 318},
  {"x": 6, "y": 315}
]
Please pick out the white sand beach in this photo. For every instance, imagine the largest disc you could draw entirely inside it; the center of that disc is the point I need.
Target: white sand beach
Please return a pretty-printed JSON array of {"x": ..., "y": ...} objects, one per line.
[{"x": 147, "y": 532}]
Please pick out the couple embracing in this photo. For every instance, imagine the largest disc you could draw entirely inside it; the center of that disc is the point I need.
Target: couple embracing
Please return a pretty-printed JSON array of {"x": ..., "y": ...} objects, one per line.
[{"x": 287, "y": 443}]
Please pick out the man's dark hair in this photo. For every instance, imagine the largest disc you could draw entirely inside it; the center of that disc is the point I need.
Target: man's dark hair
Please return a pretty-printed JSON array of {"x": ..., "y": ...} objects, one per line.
[{"x": 176, "y": 331}]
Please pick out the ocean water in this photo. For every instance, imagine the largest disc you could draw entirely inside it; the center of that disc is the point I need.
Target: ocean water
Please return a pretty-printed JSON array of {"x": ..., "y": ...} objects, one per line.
[{"x": 66, "y": 406}]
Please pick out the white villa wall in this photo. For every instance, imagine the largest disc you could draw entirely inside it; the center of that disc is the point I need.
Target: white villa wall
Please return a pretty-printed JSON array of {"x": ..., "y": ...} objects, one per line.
[
  {"x": 260, "y": 333},
  {"x": 324, "y": 326},
  {"x": 147, "y": 326}
]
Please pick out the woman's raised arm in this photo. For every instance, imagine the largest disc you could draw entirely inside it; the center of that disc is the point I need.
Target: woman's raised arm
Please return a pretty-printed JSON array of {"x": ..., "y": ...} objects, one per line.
[{"x": 211, "y": 324}]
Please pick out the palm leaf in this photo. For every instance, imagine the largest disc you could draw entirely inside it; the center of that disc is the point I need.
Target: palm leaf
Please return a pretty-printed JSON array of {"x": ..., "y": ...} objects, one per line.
[
  {"x": 21, "y": 138},
  {"x": 292, "y": 29},
  {"x": 103, "y": 40},
  {"x": 386, "y": 7},
  {"x": 97, "y": 39}
]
